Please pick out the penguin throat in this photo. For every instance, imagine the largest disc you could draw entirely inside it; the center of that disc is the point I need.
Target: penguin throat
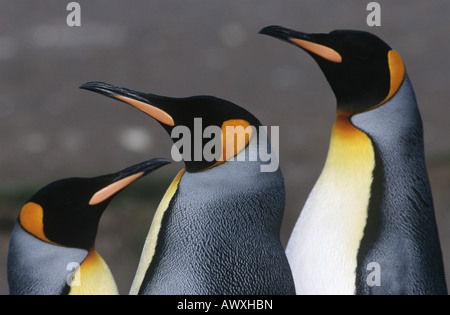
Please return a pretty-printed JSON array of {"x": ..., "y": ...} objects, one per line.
[
  {"x": 349, "y": 146},
  {"x": 350, "y": 150},
  {"x": 335, "y": 214},
  {"x": 93, "y": 277}
]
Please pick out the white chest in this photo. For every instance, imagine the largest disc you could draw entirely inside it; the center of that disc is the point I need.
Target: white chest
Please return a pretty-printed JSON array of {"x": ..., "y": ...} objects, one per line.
[{"x": 323, "y": 247}]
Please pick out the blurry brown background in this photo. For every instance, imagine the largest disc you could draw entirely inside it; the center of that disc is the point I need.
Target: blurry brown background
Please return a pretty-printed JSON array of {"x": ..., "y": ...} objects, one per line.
[{"x": 50, "y": 129}]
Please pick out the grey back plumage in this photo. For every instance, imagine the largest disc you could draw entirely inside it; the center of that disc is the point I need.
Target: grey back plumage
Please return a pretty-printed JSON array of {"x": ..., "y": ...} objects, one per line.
[
  {"x": 39, "y": 268},
  {"x": 401, "y": 234}
]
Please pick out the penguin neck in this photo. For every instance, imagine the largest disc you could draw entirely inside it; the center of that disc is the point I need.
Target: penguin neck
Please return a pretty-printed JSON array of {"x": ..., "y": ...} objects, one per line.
[
  {"x": 348, "y": 174},
  {"x": 350, "y": 158},
  {"x": 93, "y": 277},
  {"x": 395, "y": 123},
  {"x": 348, "y": 144},
  {"x": 324, "y": 245}
]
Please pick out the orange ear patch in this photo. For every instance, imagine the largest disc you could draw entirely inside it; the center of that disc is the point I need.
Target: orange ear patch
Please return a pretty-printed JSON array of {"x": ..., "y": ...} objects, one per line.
[
  {"x": 320, "y": 50},
  {"x": 32, "y": 220},
  {"x": 397, "y": 71},
  {"x": 236, "y": 134}
]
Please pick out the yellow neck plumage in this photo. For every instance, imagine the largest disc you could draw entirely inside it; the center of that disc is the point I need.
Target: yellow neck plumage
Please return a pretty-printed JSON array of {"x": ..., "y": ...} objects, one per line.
[{"x": 93, "y": 277}]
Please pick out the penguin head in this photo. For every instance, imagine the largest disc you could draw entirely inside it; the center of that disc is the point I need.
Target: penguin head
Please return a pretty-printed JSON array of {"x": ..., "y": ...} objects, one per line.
[
  {"x": 195, "y": 115},
  {"x": 362, "y": 70},
  {"x": 67, "y": 212}
]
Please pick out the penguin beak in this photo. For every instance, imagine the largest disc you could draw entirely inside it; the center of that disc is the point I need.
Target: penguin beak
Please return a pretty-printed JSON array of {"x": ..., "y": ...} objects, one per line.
[
  {"x": 133, "y": 98},
  {"x": 309, "y": 42},
  {"x": 118, "y": 181}
]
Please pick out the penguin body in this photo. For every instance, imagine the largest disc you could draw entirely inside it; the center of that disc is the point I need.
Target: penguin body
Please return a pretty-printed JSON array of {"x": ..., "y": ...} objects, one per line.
[
  {"x": 371, "y": 209},
  {"x": 218, "y": 241},
  {"x": 217, "y": 228},
  {"x": 52, "y": 246}
]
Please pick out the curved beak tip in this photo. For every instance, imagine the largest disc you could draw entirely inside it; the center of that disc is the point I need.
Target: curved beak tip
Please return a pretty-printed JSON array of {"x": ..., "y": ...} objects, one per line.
[
  {"x": 89, "y": 85},
  {"x": 100, "y": 87},
  {"x": 151, "y": 165},
  {"x": 283, "y": 33},
  {"x": 272, "y": 30}
]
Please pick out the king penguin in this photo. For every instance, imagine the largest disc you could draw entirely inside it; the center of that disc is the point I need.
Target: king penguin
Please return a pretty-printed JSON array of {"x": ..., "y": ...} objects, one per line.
[
  {"x": 52, "y": 246},
  {"x": 216, "y": 231},
  {"x": 368, "y": 226}
]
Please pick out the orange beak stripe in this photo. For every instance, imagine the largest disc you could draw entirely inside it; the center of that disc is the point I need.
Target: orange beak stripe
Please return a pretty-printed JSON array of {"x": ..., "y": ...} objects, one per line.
[
  {"x": 115, "y": 187},
  {"x": 320, "y": 50},
  {"x": 151, "y": 110}
]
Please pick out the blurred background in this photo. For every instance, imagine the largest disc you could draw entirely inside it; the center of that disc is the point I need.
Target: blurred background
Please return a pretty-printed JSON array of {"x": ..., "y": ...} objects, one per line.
[{"x": 50, "y": 129}]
